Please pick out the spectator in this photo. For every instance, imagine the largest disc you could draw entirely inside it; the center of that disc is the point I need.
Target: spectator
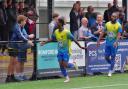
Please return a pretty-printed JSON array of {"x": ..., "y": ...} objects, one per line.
[
  {"x": 3, "y": 23},
  {"x": 98, "y": 26},
  {"x": 106, "y": 13},
  {"x": 91, "y": 16},
  {"x": 75, "y": 20},
  {"x": 121, "y": 17},
  {"x": 35, "y": 16},
  {"x": 79, "y": 3},
  {"x": 15, "y": 5},
  {"x": 12, "y": 19},
  {"x": 22, "y": 48},
  {"x": 84, "y": 32},
  {"x": 53, "y": 24},
  {"x": 21, "y": 10},
  {"x": 81, "y": 14},
  {"x": 125, "y": 33},
  {"x": 12, "y": 15},
  {"x": 30, "y": 26},
  {"x": 18, "y": 50},
  {"x": 26, "y": 8},
  {"x": 114, "y": 8}
]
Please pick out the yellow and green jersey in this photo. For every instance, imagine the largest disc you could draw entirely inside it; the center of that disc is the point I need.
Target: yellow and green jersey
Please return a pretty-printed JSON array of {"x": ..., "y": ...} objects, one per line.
[
  {"x": 112, "y": 31},
  {"x": 64, "y": 40}
]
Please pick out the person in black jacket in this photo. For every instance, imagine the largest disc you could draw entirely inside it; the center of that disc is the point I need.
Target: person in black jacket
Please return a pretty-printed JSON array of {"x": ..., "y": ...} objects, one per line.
[
  {"x": 74, "y": 19},
  {"x": 12, "y": 16},
  {"x": 3, "y": 22},
  {"x": 91, "y": 16},
  {"x": 98, "y": 26},
  {"x": 12, "y": 19},
  {"x": 106, "y": 13},
  {"x": 114, "y": 8}
]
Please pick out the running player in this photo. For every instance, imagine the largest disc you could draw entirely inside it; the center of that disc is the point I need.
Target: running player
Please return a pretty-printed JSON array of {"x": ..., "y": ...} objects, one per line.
[
  {"x": 113, "y": 30},
  {"x": 63, "y": 37}
]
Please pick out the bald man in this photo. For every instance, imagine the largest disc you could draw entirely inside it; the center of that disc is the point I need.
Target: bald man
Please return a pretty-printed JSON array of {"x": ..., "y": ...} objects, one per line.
[{"x": 85, "y": 32}]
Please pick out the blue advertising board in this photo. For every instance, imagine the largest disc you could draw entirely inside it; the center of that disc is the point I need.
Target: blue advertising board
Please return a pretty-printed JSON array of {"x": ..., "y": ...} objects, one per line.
[{"x": 96, "y": 60}]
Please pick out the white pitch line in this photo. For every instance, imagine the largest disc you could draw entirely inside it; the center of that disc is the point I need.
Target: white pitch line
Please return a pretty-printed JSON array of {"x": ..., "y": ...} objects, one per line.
[{"x": 114, "y": 85}]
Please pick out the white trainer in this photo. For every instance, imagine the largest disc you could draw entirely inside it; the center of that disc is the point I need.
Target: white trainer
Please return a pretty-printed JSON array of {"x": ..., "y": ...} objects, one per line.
[
  {"x": 110, "y": 73},
  {"x": 75, "y": 65},
  {"x": 67, "y": 79}
]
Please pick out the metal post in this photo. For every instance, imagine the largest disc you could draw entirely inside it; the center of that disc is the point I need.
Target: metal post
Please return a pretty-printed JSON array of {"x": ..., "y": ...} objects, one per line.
[
  {"x": 34, "y": 74},
  {"x": 50, "y": 5},
  {"x": 125, "y": 4},
  {"x": 126, "y": 10}
]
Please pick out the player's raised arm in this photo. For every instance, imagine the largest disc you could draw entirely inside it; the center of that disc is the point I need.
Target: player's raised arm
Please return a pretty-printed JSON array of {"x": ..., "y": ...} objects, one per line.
[
  {"x": 49, "y": 40},
  {"x": 72, "y": 38}
]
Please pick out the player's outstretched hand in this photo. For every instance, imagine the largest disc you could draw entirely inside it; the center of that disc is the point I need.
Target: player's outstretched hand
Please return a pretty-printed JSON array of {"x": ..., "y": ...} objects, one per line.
[{"x": 83, "y": 47}]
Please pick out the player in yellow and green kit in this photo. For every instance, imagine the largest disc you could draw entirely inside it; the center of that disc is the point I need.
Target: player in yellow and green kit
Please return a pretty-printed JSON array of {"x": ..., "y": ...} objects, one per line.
[
  {"x": 113, "y": 30},
  {"x": 64, "y": 38}
]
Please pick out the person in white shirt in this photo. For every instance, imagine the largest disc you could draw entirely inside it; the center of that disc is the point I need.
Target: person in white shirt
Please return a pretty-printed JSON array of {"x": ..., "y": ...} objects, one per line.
[
  {"x": 53, "y": 24},
  {"x": 84, "y": 31}
]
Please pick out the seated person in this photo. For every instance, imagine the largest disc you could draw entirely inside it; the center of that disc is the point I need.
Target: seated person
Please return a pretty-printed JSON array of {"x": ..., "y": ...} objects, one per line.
[
  {"x": 98, "y": 27},
  {"x": 84, "y": 32},
  {"x": 125, "y": 33}
]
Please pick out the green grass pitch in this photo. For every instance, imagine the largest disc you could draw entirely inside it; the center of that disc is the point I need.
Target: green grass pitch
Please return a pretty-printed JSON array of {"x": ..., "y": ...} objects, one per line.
[{"x": 117, "y": 81}]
